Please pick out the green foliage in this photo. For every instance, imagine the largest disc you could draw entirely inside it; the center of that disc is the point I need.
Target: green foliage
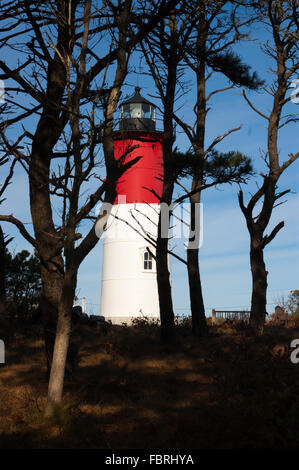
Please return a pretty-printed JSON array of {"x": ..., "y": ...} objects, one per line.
[
  {"x": 231, "y": 65},
  {"x": 22, "y": 282},
  {"x": 230, "y": 167},
  {"x": 216, "y": 167}
]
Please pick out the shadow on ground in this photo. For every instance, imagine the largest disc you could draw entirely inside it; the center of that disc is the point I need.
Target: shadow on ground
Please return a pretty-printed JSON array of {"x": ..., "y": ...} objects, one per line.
[{"x": 229, "y": 390}]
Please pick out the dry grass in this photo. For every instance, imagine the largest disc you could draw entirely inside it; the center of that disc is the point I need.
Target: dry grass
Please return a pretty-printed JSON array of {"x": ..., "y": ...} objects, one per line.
[{"x": 226, "y": 391}]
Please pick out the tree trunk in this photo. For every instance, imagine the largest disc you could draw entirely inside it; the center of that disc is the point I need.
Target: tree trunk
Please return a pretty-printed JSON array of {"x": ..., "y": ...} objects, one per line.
[
  {"x": 2, "y": 274},
  {"x": 55, "y": 388},
  {"x": 61, "y": 345},
  {"x": 259, "y": 289},
  {"x": 52, "y": 288},
  {"x": 164, "y": 290},
  {"x": 199, "y": 323}
]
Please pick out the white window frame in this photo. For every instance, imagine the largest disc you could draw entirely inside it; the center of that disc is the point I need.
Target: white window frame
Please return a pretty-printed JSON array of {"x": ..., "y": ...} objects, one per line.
[{"x": 149, "y": 260}]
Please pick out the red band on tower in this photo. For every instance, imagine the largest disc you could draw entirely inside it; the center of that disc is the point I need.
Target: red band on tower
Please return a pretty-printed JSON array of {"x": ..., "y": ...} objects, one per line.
[{"x": 143, "y": 182}]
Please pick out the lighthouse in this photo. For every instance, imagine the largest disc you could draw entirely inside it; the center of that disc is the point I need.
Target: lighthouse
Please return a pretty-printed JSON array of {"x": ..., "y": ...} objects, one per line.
[{"x": 129, "y": 284}]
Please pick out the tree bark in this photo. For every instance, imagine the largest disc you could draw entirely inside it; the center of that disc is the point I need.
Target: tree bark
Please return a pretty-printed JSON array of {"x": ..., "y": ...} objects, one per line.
[
  {"x": 52, "y": 288},
  {"x": 258, "y": 240},
  {"x": 199, "y": 323},
  {"x": 55, "y": 388},
  {"x": 259, "y": 288},
  {"x": 164, "y": 290}
]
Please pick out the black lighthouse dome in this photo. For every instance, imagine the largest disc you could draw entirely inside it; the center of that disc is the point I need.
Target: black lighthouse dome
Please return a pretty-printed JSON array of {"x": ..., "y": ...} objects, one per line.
[{"x": 137, "y": 113}]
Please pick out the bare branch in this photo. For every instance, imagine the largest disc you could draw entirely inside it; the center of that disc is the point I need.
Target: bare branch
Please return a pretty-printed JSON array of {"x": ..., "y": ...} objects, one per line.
[
  {"x": 220, "y": 90},
  {"x": 21, "y": 227},
  {"x": 268, "y": 238},
  {"x": 8, "y": 178},
  {"x": 287, "y": 163},
  {"x": 254, "y": 108},
  {"x": 220, "y": 138}
]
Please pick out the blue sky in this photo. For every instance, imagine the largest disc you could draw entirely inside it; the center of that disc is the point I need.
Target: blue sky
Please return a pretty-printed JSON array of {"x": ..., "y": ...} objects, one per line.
[{"x": 224, "y": 256}]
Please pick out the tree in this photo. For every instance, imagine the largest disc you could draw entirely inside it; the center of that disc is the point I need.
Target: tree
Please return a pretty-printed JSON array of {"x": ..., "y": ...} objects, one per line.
[
  {"x": 209, "y": 51},
  {"x": 196, "y": 36},
  {"x": 70, "y": 71},
  {"x": 23, "y": 282},
  {"x": 163, "y": 53},
  {"x": 281, "y": 18}
]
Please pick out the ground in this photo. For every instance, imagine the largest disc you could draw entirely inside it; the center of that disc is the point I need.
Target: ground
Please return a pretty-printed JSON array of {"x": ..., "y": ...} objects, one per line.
[{"x": 229, "y": 390}]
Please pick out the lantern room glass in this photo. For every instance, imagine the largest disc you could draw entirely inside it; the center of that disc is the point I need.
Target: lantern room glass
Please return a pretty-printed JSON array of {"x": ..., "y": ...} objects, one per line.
[
  {"x": 137, "y": 110},
  {"x": 125, "y": 111}
]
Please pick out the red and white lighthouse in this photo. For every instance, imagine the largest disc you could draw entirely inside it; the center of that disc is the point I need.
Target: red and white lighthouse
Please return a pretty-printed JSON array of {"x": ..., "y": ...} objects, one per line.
[{"x": 129, "y": 285}]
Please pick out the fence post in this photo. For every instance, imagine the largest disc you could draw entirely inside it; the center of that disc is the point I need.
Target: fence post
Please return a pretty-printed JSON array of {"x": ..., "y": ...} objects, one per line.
[{"x": 213, "y": 316}]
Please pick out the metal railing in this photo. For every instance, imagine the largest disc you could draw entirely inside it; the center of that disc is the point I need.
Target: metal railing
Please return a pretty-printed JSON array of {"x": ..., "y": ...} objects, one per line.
[{"x": 234, "y": 315}]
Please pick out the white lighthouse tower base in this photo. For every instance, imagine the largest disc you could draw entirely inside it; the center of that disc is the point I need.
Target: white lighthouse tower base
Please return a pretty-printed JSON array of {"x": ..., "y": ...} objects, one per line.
[{"x": 129, "y": 284}]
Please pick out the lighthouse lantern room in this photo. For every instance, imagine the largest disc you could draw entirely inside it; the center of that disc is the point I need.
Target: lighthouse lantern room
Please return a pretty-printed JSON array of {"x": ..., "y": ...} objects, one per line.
[
  {"x": 137, "y": 113},
  {"x": 129, "y": 285}
]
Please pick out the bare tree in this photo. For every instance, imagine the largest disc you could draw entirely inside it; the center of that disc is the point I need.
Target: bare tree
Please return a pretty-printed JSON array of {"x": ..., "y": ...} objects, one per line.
[
  {"x": 281, "y": 19},
  {"x": 72, "y": 69}
]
